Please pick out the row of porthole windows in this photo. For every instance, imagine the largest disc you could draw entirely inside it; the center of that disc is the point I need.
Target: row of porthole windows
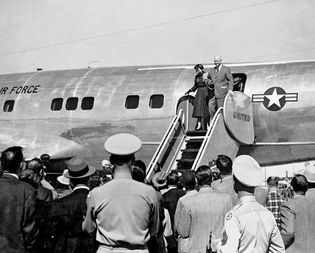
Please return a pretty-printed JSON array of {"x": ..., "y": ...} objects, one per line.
[
  {"x": 72, "y": 103},
  {"x": 156, "y": 101},
  {"x": 132, "y": 102}
]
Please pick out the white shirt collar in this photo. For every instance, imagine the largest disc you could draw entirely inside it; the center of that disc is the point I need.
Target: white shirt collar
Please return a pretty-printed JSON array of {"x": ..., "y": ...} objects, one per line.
[
  {"x": 81, "y": 187},
  {"x": 11, "y": 174}
]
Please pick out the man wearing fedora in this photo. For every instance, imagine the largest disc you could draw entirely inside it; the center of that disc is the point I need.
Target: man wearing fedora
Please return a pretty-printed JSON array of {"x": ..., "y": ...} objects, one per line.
[
  {"x": 298, "y": 218},
  {"x": 124, "y": 212},
  {"x": 67, "y": 213},
  {"x": 248, "y": 227}
]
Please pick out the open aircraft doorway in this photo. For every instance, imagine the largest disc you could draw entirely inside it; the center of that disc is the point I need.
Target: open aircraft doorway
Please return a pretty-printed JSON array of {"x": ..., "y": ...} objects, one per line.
[{"x": 186, "y": 103}]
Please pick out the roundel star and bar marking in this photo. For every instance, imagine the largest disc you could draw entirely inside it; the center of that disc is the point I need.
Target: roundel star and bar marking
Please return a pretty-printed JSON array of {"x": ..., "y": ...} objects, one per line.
[{"x": 275, "y": 98}]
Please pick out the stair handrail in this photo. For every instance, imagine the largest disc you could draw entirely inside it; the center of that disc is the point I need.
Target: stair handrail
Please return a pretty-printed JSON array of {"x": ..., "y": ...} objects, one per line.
[
  {"x": 164, "y": 142},
  {"x": 206, "y": 140}
]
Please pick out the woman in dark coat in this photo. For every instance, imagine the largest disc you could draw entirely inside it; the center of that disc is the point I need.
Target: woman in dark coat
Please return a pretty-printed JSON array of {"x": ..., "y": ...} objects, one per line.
[{"x": 201, "y": 110}]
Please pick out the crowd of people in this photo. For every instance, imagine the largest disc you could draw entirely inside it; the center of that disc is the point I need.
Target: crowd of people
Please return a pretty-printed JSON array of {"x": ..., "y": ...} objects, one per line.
[{"x": 180, "y": 212}]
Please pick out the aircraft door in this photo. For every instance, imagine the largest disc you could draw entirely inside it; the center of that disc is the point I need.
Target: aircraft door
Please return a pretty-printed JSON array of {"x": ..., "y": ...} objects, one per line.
[{"x": 187, "y": 104}]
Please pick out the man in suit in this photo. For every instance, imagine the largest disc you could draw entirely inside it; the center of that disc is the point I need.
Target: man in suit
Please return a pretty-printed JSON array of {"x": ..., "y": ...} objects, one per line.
[
  {"x": 221, "y": 80},
  {"x": 202, "y": 213},
  {"x": 224, "y": 164},
  {"x": 189, "y": 182},
  {"x": 171, "y": 196},
  {"x": 17, "y": 223},
  {"x": 298, "y": 219},
  {"x": 68, "y": 212}
]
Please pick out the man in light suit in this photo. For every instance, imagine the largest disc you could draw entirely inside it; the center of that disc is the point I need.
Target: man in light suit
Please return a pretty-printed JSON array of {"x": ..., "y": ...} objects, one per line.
[
  {"x": 201, "y": 213},
  {"x": 298, "y": 219},
  {"x": 221, "y": 80}
]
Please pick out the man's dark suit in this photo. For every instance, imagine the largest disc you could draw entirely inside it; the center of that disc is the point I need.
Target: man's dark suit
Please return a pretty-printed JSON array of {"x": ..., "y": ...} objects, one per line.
[
  {"x": 68, "y": 213},
  {"x": 17, "y": 207},
  {"x": 170, "y": 199},
  {"x": 43, "y": 194}
]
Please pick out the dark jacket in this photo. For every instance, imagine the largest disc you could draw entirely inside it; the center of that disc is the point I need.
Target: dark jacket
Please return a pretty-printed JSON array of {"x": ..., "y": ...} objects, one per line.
[
  {"x": 17, "y": 208},
  {"x": 44, "y": 194},
  {"x": 62, "y": 218},
  {"x": 170, "y": 199}
]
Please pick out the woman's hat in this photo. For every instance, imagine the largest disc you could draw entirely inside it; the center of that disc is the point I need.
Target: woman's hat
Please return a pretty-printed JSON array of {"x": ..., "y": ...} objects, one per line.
[
  {"x": 78, "y": 168},
  {"x": 158, "y": 180},
  {"x": 62, "y": 179}
]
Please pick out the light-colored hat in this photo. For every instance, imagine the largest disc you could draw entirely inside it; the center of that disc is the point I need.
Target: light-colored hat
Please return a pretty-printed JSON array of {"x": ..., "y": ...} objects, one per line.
[
  {"x": 122, "y": 144},
  {"x": 247, "y": 170},
  {"x": 106, "y": 163},
  {"x": 78, "y": 168},
  {"x": 62, "y": 179},
  {"x": 158, "y": 181},
  {"x": 309, "y": 172}
]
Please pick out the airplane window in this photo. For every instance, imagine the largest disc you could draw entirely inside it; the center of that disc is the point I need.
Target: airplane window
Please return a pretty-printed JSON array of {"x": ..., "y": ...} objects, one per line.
[
  {"x": 132, "y": 102},
  {"x": 156, "y": 101},
  {"x": 56, "y": 104},
  {"x": 8, "y": 106},
  {"x": 72, "y": 103},
  {"x": 87, "y": 103}
]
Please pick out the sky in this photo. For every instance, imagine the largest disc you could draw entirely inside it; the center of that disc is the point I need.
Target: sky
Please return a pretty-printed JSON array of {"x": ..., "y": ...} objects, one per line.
[{"x": 67, "y": 34}]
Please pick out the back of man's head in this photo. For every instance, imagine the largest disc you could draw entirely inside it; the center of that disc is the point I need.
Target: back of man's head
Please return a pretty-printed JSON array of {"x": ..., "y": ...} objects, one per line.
[
  {"x": 139, "y": 171},
  {"x": 272, "y": 181},
  {"x": 173, "y": 178},
  {"x": 35, "y": 165},
  {"x": 203, "y": 175},
  {"x": 299, "y": 183},
  {"x": 11, "y": 159},
  {"x": 189, "y": 179},
  {"x": 224, "y": 164},
  {"x": 119, "y": 160}
]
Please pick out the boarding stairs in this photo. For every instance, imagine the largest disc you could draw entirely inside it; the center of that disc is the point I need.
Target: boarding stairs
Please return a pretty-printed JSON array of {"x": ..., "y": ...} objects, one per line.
[{"x": 183, "y": 149}]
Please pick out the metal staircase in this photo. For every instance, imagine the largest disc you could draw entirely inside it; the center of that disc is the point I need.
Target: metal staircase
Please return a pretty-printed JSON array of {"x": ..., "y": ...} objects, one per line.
[{"x": 181, "y": 149}]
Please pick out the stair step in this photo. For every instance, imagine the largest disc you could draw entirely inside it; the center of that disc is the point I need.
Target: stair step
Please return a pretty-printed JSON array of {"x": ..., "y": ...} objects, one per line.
[
  {"x": 190, "y": 150},
  {"x": 196, "y": 133},
  {"x": 186, "y": 160},
  {"x": 194, "y": 139}
]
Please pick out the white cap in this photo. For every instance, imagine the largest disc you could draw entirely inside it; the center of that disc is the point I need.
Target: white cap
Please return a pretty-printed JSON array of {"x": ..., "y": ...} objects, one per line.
[
  {"x": 309, "y": 172},
  {"x": 247, "y": 170},
  {"x": 106, "y": 163},
  {"x": 62, "y": 179},
  {"x": 122, "y": 144}
]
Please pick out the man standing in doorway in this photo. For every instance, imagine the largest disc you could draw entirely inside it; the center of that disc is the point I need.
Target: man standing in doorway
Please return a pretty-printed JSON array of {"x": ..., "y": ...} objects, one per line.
[{"x": 221, "y": 80}]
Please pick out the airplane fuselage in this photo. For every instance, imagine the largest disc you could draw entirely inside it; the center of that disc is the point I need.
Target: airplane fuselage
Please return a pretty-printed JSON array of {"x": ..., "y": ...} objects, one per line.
[{"x": 69, "y": 112}]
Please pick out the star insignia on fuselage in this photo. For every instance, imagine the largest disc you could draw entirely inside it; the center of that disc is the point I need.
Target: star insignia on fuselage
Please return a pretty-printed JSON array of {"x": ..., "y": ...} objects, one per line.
[{"x": 274, "y": 98}]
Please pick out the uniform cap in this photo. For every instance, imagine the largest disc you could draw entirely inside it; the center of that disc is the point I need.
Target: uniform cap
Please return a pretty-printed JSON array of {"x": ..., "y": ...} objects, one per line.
[
  {"x": 122, "y": 144},
  {"x": 309, "y": 172},
  {"x": 78, "y": 168},
  {"x": 247, "y": 170}
]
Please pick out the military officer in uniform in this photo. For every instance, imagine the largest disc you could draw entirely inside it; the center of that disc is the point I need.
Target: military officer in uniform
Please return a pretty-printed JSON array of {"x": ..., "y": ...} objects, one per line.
[
  {"x": 124, "y": 212},
  {"x": 248, "y": 227}
]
